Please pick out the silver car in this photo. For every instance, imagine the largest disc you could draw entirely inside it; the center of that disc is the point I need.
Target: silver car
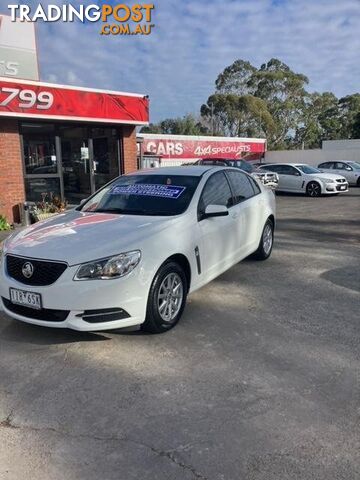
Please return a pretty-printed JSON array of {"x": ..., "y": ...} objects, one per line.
[{"x": 349, "y": 170}]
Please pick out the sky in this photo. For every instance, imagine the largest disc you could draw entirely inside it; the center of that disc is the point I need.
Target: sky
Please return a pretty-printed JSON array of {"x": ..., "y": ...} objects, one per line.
[{"x": 193, "y": 41}]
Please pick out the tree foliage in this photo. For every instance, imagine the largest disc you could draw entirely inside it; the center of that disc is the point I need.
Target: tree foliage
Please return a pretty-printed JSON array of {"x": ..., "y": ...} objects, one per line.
[{"x": 187, "y": 125}]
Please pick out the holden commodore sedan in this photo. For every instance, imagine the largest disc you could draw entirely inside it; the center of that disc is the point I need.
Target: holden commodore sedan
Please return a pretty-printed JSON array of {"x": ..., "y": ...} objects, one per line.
[
  {"x": 302, "y": 178},
  {"x": 347, "y": 169},
  {"x": 132, "y": 252}
]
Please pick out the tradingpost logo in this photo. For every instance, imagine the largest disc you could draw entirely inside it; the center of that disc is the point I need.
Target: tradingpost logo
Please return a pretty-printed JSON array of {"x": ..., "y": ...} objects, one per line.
[{"x": 120, "y": 19}]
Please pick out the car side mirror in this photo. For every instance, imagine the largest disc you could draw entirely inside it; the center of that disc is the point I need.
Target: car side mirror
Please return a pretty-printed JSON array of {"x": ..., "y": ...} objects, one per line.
[
  {"x": 215, "y": 211},
  {"x": 349, "y": 169},
  {"x": 297, "y": 174}
]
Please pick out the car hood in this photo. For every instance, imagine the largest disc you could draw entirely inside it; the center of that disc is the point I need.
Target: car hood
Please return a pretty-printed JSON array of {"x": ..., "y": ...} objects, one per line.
[
  {"x": 77, "y": 237},
  {"x": 330, "y": 176}
]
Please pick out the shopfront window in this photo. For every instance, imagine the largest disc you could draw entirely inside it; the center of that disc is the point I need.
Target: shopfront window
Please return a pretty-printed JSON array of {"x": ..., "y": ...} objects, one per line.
[
  {"x": 68, "y": 160},
  {"x": 39, "y": 149},
  {"x": 38, "y": 189}
]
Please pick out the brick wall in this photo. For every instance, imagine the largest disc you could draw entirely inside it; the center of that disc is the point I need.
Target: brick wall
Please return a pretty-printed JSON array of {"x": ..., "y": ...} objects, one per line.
[
  {"x": 11, "y": 170},
  {"x": 129, "y": 148}
]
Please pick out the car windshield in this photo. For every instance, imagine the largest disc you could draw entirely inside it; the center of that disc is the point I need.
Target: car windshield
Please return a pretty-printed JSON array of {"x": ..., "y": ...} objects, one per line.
[
  {"x": 354, "y": 165},
  {"x": 307, "y": 169},
  {"x": 144, "y": 195}
]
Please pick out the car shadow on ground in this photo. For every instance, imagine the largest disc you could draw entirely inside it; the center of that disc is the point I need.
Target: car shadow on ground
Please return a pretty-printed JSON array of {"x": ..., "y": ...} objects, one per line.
[
  {"x": 347, "y": 277},
  {"x": 21, "y": 332}
]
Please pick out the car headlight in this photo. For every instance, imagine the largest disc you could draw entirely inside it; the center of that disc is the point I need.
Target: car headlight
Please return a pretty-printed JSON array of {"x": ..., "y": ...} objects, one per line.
[
  {"x": 329, "y": 180},
  {"x": 109, "y": 268}
]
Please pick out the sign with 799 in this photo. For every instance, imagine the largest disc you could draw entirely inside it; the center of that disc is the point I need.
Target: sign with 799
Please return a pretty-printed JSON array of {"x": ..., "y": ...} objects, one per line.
[{"x": 27, "y": 99}]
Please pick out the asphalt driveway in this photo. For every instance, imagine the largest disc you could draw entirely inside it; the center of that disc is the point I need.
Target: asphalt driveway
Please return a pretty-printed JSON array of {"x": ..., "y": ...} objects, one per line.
[{"x": 260, "y": 380}]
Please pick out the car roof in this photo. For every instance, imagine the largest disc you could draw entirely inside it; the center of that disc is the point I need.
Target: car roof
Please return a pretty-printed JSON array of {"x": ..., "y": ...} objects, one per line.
[{"x": 190, "y": 170}]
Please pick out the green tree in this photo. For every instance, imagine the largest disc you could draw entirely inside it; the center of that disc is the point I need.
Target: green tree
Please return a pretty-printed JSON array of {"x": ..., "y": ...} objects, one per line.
[
  {"x": 284, "y": 93},
  {"x": 321, "y": 121},
  {"x": 187, "y": 125},
  {"x": 236, "y": 78},
  {"x": 349, "y": 109},
  {"x": 356, "y": 126},
  {"x": 236, "y": 115}
]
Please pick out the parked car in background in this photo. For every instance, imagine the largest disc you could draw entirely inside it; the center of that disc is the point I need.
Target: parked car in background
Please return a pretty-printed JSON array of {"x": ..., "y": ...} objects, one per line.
[
  {"x": 269, "y": 179},
  {"x": 302, "y": 178},
  {"x": 131, "y": 253},
  {"x": 349, "y": 170}
]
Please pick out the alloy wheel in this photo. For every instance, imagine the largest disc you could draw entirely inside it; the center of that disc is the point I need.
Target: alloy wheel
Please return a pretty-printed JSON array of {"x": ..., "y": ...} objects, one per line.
[
  {"x": 314, "y": 189},
  {"x": 170, "y": 297},
  {"x": 267, "y": 239}
]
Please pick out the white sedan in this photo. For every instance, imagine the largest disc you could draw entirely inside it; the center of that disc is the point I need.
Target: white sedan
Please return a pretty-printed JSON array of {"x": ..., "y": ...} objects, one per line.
[
  {"x": 302, "y": 178},
  {"x": 131, "y": 253}
]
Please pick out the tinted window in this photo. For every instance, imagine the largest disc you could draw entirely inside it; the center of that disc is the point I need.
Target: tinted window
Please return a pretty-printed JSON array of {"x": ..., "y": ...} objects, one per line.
[
  {"x": 242, "y": 188},
  {"x": 307, "y": 169},
  {"x": 287, "y": 170},
  {"x": 145, "y": 195},
  {"x": 325, "y": 165},
  {"x": 216, "y": 192},
  {"x": 271, "y": 168},
  {"x": 255, "y": 185}
]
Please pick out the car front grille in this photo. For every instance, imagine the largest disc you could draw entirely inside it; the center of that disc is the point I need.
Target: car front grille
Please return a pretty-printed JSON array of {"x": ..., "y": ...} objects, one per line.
[
  {"x": 44, "y": 272},
  {"x": 45, "y": 314},
  {"x": 341, "y": 180}
]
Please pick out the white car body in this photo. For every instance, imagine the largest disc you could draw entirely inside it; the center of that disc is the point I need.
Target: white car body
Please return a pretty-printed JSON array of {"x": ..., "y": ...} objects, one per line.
[
  {"x": 78, "y": 237},
  {"x": 349, "y": 170},
  {"x": 293, "y": 178}
]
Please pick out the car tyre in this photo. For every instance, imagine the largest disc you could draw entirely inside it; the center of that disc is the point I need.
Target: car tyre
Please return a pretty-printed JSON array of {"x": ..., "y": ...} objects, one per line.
[
  {"x": 313, "y": 189},
  {"x": 266, "y": 242},
  {"x": 358, "y": 182},
  {"x": 167, "y": 299}
]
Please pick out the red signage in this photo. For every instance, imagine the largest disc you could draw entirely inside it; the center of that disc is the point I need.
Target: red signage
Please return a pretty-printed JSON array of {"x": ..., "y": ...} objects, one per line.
[
  {"x": 173, "y": 147},
  {"x": 42, "y": 100}
]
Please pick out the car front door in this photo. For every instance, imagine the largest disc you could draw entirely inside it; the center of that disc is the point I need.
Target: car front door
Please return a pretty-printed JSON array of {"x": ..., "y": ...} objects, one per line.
[
  {"x": 217, "y": 234},
  {"x": 248, "y": 211},
  {"x": 345, "y": 170},
  {"x": 292, "y": 179}
]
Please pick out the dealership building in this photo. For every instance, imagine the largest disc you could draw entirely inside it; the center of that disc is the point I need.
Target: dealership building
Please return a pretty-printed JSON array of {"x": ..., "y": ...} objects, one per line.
[
  {"x": 63, "y": 140},
  {"x": 69, "y": 141}
]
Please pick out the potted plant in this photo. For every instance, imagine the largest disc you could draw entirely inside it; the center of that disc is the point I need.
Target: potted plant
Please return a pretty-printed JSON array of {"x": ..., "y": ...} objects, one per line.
[
  {"x": 4, "y": 224},
  {"x": 49, "y": 206}
]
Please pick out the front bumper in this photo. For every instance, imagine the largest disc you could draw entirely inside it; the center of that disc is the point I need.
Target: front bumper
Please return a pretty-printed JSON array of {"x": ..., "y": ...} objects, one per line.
[
  {"x": 336, "y": 187},
  {"x": 88, "y": 305}
]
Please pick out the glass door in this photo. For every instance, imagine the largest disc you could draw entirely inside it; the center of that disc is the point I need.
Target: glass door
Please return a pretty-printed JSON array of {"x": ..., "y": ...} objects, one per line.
[
  {"x": 77, "y": 166},
  {"x": 105, "y": 150}
]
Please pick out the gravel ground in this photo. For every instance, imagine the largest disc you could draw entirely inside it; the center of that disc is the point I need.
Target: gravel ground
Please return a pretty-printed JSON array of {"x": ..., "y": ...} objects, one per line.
[{"x": 259, "y": 381}]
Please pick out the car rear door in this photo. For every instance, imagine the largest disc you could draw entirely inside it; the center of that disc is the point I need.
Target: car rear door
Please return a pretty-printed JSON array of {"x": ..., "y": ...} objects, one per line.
[
  {"x": 248, "y": 212},
  {"x": 217, "y": 242}
]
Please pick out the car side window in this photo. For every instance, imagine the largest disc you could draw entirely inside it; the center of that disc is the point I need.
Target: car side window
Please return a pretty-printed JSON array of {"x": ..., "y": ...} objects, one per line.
[
  {"x": 216, "y": 192},
  {"x": 340, "y": 166},
  {"x": 289, "y": 170},
  {"x": 241, "y": 186},
  {"x": 271, "y": 168},
  {"x": 325, "y": 165}
]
